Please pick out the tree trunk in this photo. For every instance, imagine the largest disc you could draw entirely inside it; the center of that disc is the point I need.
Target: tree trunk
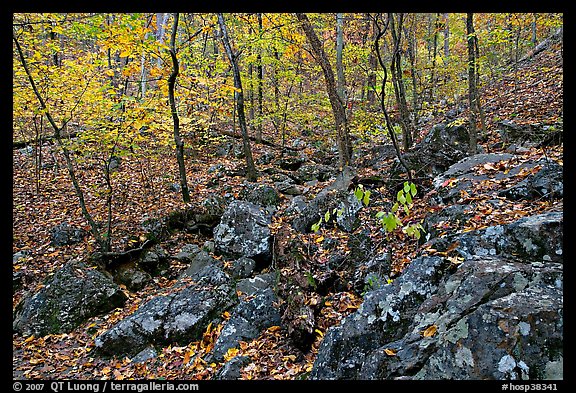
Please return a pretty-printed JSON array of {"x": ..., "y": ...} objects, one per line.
[
  {"x": 434, "y": 54},
  {"x": 174, "y": 110},
  {"x": 391, "y": 133},
  {"x": 397, "y": 81},
  {"x": 411, "y": 37},
  {"x": 472, "y": 132},
  {"x": 161, "y": 19},
  {"x": 446, "y": 37},
  {"x": 339, "y": 49},
  {"x": 260, "y": 75},
  {"x": 338, "y": 110},
  {"x": 251, "y": 175},
  {"x": 372, "y": 64}
]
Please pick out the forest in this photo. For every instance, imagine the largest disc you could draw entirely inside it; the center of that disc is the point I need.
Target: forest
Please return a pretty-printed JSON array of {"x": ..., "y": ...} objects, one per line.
[{"x": 287, "y": 196}]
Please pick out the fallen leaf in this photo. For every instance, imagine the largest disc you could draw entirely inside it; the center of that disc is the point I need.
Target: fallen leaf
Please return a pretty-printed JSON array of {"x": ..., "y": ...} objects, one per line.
[
  {"x": 390, "y": 352},
  {"x": 430, "y": 331}
]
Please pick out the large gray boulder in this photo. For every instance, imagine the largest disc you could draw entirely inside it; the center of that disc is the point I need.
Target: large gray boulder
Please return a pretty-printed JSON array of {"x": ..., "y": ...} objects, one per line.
[
  {"x": 384, "y": 316},
  {"x": 497, "y": 313},
  {"x": 180, "y": 316},
  {"x": 532, "y": 238},
  {"x": 243, "y": 232},
  {"x": 548, "y": 182},
  {"x": 444, "y": 145},
  {"x": 328, "y": 200},
  {"x": 74, "y": 294},
  {"x": 248, "y": 320},
  {"x": 491, "y": 319}
]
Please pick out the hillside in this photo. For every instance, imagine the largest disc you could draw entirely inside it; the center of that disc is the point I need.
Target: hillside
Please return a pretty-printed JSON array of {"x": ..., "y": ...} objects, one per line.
[{"x": 531, "y": 98}]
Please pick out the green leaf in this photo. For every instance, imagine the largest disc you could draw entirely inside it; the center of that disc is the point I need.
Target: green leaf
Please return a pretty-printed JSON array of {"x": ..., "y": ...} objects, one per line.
[
  {"x": 315, "y": 227},
  {"x": 366, "y": 198},
  {"x": 327, "y": 216},
  {"x": 402, "y": 199},
  {"x": 395, "y": 207},
  {"x": 389, "y": 225},
  {"x": 413, "y": 189},
  {"x": 380, "y": 214},
  {"x": 409, "y": 198},
  {"x": 406, "y": 210},
  {"x": 406, "y": 187},
  {"x": 359, "y": 194}
]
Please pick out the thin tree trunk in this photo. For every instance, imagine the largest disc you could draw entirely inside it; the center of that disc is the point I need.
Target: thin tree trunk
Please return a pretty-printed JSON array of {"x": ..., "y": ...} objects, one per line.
[
  {"x": 397, "y": 80},
  {"x": 251, "y": 97},
  {"x": 161, "y": 19},
  {"x": 391, "y": 133},
  {"x": 177, "y": 138},
  {"x": 260, "y": 75},
  {"x": 472, "y": 132},
  {"x": 372, "y": 64},
  {"x": 251, "y": 174},
  {"x": 338, "y": 110},
  {"x": 446, "y": 37},
  {"x": 339, "y": 49},
  {"x": 411, "y": 37},
  {"x": 476, "y": 91},
  {"x": 434, "y": 54}
]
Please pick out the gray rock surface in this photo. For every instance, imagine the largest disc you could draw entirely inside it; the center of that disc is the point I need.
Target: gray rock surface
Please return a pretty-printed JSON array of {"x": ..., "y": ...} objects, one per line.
[
  {"x": 248, "y": 320},
  {"x": 495, "y": 314},
  {"x": 244, "y": 232},
  {"x": 74, "y": 294},
  {"x": 180, "y": 316}
]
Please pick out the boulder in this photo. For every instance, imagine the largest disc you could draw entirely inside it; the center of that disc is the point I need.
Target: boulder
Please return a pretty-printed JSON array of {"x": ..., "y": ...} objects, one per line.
[
  {"x": 548, "y": 182},
  {"x": 441, "y": 147},
  {"x": 154, "y": 260},
  {"x": 290, "y": 163},
  {"x": 248, "y": 320},
  {"x": 201, "y": 260},
  {"x": 187, "y": 253},
  {"x": 155, "y": 229},
  {"x": 464, "y": 175},
  {"x": 261, "y": 195},
  {"x": 244, "y": 232},
  {"x": 384, "y": 316},
  {"x": 496, "y": 313},
  {"x": 177, "y": 317},
  {"x": 445, "y": 219},
  {"x": 132, "y": 276},
  {"x": 330, "y": 199},
  {"x": 289, "y": 188},
  {"x": 251, "y": 286},
  {"x": 491, "y": 319},
  {"x": 528, "y": 134},
  {"x": 144, "y": 355},
  {"x": 532, "y": 238},
  {"x": 74, "y": 294},
  {"x": 200, "y": 218},
  {"x": 64, "y": 235},
  {"x": 242, "y": 267},
  {"x": 311, "y": 172},
  {"x": 231, "y": 370}
]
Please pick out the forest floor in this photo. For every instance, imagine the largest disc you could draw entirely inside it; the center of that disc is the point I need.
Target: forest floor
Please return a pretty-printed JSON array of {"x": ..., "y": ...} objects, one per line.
[{"x": 533, "y": 95}]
